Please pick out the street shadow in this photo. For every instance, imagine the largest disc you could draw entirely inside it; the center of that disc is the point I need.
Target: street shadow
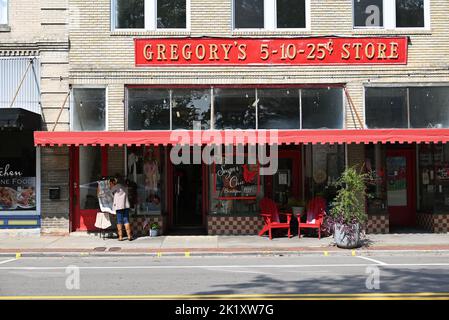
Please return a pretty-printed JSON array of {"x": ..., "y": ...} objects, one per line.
[{"x": 391, "y": 280}]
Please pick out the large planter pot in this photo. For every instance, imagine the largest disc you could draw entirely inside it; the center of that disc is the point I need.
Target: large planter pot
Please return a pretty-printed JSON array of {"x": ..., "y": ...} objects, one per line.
[
  {"x": 343, "y": 240},
  {"x": 154, "y": 232}
]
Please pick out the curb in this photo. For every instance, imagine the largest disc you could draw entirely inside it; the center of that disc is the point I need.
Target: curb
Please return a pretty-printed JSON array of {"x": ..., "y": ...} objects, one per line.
[{"x": 201, "y": 253}]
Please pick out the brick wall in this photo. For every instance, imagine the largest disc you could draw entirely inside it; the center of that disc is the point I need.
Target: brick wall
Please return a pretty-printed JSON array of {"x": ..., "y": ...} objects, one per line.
[{"x": 55, "y": 172}]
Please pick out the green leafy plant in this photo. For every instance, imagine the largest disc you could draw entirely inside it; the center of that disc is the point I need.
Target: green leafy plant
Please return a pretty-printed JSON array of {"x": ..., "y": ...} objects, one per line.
[
  {"x": 154, "y": 226},
  {"x": 348, "y": 207}
]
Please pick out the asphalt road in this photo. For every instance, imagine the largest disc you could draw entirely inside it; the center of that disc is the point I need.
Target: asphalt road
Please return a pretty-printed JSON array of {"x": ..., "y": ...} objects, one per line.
[{"x": 245, "y": 276}]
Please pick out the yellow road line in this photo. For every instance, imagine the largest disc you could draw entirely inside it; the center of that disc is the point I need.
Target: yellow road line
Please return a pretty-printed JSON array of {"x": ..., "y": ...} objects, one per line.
[{"x": 361, "y": 296}]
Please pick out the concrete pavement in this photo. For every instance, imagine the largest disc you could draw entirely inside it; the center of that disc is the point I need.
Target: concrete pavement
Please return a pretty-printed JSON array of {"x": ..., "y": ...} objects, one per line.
[
  {"x": 421, "y": 276},
  {"x": 92, "y": 243}
]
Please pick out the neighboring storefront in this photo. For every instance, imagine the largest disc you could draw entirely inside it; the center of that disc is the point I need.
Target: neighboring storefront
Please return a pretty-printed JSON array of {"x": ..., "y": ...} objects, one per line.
[
  {"x": 19, "y": 164},
  {"x": 376, "y": 96}
]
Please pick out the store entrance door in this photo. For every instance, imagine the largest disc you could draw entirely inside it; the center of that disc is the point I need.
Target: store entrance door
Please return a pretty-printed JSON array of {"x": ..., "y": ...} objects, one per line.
[
  {"x": 401, "y": 192},
  {"x": 89, "y": 164},
  {"x": 187, "y": 198}
]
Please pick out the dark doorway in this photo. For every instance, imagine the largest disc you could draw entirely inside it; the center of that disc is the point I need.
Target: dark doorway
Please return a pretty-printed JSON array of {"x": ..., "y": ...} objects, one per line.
[{"x": 187, "y": 199}]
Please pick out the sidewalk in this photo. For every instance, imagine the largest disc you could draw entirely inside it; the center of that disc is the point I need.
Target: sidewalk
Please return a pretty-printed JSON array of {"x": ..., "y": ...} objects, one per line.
[{"x": 191, "y": 245}]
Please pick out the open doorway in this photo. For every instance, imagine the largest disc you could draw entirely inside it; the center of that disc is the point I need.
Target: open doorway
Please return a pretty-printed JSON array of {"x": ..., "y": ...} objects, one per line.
[{"x": 187, "y": 199}]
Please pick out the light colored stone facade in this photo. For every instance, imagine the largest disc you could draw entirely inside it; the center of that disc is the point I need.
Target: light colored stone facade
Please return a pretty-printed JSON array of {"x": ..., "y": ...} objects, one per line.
[
  {"x": 101, "y": 56},
  {"x": 40, "y": 28}
]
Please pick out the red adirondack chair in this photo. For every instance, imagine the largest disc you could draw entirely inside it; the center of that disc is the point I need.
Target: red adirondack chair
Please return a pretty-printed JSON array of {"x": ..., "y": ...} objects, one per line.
[
  {"x": 271, "y": 217},
  {"x": 316, "y": 210}
]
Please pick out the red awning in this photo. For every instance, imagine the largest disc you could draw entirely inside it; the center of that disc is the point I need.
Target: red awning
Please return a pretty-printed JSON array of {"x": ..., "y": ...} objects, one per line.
[{"x": 207, "y": 137}]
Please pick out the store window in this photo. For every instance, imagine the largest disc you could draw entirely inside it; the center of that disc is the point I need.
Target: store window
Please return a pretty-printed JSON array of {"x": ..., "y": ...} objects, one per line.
[
  {"x": 149, "y": 14},
  {"x": 429, "y": 107},
  {"x": 433, "y": 177},
  {"x": 249, "y": 14},
  {"x": 270, "y": 14},
  {"x": 291, "y": 13},
  {"x": 322, "y": 108},
  {"x": 88, "y": 109},
  {"x": 129, "y": 14},
  {"x": 171, "y": 14},
  {"x": 191, "y": 109},
  {"x": 146, "y": 188},
  {"x": 17, "y": 172},
  {"x": 3, "y": 12},
  {"x": 410, "y": 13},
  {"x": 375, "y": 164},
  {"x": 235, "y": 108},
  {"x": 148, "y": 109},
  {"x": 391, "y": 14},
  {"x": 368, "y": 13},
  {"x": 408, "y": 107},
  {"x": 235, "y": 189},
  {"x": 278, "y": 108},
  {"x": 323, "y": 166},
  {"x": 386, "y": 108}
]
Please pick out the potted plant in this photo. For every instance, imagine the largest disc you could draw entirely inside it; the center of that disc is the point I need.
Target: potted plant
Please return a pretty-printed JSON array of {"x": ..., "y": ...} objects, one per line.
[
  {"x": 154, "y": 229},
  {"x": 347, "y": 217}
]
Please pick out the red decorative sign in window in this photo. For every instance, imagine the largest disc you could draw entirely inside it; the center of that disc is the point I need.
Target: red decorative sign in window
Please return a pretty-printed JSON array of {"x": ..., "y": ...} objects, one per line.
[
  {"x": 236, "y": 181},
  {"x": 286, "y": 51}
]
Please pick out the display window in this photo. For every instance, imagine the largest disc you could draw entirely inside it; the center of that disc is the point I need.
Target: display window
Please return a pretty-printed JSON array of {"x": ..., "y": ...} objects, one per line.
[{"x": 145, "y": 172}]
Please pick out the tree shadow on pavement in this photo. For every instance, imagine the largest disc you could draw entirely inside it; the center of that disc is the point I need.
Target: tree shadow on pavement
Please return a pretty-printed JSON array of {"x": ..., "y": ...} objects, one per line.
[{"x": 392, "y": 280}]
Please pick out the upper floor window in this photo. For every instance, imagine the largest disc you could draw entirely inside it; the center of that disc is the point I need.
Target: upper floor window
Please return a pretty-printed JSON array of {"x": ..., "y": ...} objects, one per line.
[
  {"x": 88, "y": 109},
  {"x": 407, "y": 107},
  {"x": 391, "y": 14},
  {"x": 234, "y": 108},
  {"x": 270, "y": 14},
  {"x": 3, "y": 12},
  {"x": 149, "y": 14}
]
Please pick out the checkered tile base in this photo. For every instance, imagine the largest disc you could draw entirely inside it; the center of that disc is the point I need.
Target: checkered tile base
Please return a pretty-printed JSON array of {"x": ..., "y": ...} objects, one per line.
[
  {"x": 224, "y": 225},
  {"x": 379, "y": 223},
  {"x": 138, "y": 223},
  {"x": 441, "y": 223}
]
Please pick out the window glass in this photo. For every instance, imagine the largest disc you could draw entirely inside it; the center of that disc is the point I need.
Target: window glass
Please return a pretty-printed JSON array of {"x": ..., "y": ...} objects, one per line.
[
  {"x": 409, "y": 13},
  {"x": 235, "y": 108},
  {"x": 429, "y": 107},
  {"x": 145, "y": 186},
  {"x": 386, "y": 108},
  {"x": 229, "y": 191},
  {"x": 291, "y": 13},
  {"x": 375, "y": 164},
  {"x": 368, "y": 13},
  {"x": 148, "y": 109},
  {"x": 89, "y": 109},
  {"x": 322, "y": 108},
  {"x": 3, "y": 11},
  {"x": 323, "y": 166},
  {"x": 249, "y": 14},
  {"x": 130, "y": 14},
  {"x": 171, "y": 14},
  {"x": 433, "y": 177},
  {"x": 278, "y": 108},
  {"x": 191, "y": 109},
  {"x": 17, "y": 171}
]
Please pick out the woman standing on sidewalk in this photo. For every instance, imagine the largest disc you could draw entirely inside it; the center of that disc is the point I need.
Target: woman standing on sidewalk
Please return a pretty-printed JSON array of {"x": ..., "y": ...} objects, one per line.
[{"x": 121, "y": 207}]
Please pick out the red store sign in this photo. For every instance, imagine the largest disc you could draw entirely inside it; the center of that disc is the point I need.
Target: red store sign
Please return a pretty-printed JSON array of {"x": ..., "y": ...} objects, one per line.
[{"x": 286, "y": 51}]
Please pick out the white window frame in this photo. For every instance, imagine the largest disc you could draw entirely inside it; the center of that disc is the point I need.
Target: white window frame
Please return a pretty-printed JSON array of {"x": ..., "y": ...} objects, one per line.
[
  {"x": 270, "y": 18},
  {"x": 150, "y": 18},
  {"x": 106, "y": 109},
  {"x": 7, "y": 15},
  {"x": 389, "y": 18}
]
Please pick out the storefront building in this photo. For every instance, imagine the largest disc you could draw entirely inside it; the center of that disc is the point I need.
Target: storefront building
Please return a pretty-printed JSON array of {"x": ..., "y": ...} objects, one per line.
[
  {"x": 155, "y": 80},
  {"x": 33, "y": 84}
]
